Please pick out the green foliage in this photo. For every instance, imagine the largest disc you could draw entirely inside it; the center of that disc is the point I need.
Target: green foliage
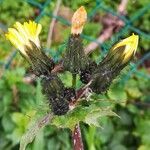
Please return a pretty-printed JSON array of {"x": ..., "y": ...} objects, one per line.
[
  {"x": 89, "y": 115},
  {"x": 117, "y": 93},
  {"x": 22, "y": 104},
  {"x": 19, "y": 102},
  {"x": 16, "y": 9}
]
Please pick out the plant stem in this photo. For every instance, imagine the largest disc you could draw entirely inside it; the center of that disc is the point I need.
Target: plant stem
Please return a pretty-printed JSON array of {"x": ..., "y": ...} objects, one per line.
[
  {"x": 77, "y": 138},
  {"x": 76, "y": 134},
  {"x": 74, "y": 76}
]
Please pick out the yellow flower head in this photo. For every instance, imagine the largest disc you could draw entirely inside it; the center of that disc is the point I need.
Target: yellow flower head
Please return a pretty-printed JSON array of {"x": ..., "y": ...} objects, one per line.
[
  {"x": 78, "y": 20},
  {"x": 126, "y": 48},
  {"x": 21, "y": 35}
]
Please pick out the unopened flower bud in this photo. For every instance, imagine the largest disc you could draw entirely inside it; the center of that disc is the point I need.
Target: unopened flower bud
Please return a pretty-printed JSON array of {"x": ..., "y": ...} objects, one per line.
[
  {"x": 54, "y": 91},
  {"x": 75, "y": 59}
]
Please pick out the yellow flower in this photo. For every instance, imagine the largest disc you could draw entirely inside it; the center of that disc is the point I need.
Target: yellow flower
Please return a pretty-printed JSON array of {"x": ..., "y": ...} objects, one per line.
[
  {"x": 78, "y": 20},
  {"x": 21, "y": 35},
  {"x": 126, "y": 48}
]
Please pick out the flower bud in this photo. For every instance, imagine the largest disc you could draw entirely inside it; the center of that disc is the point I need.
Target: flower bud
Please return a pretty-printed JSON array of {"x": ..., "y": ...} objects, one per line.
[
  {"x": 116, "y": 59},
  {"x": 125, "y": 49},
  {"x": 54, "y": 91},
  {"x": 75, "y": 59},
  {"x": 22, "y": 34},
  {"x": 25, "y": 37}
]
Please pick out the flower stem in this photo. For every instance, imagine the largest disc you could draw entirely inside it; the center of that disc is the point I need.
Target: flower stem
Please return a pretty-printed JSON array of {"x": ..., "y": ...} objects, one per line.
[
  {"x": 77, "y": 138},
  {"x": 74, "y": 76}
]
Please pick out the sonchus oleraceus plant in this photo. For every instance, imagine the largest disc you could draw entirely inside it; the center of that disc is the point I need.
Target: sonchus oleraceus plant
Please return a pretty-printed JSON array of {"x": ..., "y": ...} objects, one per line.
[{"x": 66, "y": 107}]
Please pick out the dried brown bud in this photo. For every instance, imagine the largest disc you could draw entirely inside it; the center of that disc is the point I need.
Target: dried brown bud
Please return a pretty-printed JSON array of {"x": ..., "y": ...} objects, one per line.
[{"x": 78, "y": 20}]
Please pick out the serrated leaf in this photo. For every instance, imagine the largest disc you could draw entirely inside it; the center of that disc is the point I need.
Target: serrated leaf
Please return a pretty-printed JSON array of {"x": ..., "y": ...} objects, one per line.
[
  {"x": 93, "y": 117},
  {"x": 71, "y": 118},
  {"x": 88, "y": 114}
]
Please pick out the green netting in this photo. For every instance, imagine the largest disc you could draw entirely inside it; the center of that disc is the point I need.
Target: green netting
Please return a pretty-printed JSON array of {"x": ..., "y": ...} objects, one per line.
[{"x": 99, "y": 5}]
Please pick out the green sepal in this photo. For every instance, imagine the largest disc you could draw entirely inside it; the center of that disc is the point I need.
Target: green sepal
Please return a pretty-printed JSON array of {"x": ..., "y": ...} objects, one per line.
[
  {"x": 40, "y": 62},
  {"x": 75, "y": 58},
  {"x": 54, "y": 91},
  {"x": 108, "y": 69}
]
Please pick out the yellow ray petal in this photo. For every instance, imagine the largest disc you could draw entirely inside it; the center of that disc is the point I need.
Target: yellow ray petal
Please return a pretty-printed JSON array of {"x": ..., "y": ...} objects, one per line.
[
  {"x": 21, "y": 34},
  {"x": 130, "y": 45}
]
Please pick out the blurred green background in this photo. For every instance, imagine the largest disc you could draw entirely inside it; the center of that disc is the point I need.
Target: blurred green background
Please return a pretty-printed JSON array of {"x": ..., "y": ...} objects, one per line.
[{"x": 130, "y": 94}]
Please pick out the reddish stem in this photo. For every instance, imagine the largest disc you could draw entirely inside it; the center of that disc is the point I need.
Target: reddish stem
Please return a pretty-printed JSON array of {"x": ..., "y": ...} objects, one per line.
[{"x": 77, "y": 138}]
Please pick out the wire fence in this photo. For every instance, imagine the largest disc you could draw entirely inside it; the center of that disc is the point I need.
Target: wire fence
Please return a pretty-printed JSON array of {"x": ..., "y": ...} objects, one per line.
[{"x": 99, "y": 5}]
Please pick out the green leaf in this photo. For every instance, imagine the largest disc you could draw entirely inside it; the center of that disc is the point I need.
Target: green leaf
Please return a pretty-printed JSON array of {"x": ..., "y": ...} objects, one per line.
[
  {"x": 143, "y": 147},
  {"x": 71, "y": 118},
  {"x": 7, "y": 123},
  {"x": 134, "y": 92},
  {"x": 119, "y": 147},
  {"x": 88, "y": 114},
  {"x": 39, "y": 141},
  {"x": 33, "y": 130},
  {"x": 132, "y": 89},
  {"x": 20, "y": 119},
  {"x": 143, "y": 126},
  {"x": 117, "y": 93},
  {"x": 15, "y": 135},
  {"x": 14, "y": 76},
  {"x": 66, "y": 78},
  {"x": 93, "y": 116},
  {"x": 107, "y": 130},
  {"x": 39, "y": 95}
]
